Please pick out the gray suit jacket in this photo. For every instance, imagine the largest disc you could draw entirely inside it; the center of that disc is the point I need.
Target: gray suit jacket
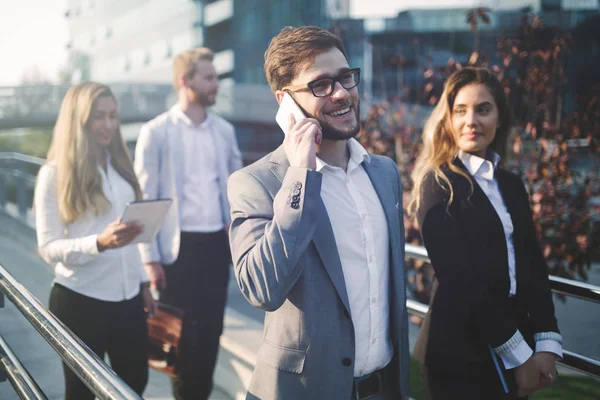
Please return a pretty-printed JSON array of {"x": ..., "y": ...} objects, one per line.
[
  {"x": 158, "y": 155},
  {"x": 286, "y": 263}
]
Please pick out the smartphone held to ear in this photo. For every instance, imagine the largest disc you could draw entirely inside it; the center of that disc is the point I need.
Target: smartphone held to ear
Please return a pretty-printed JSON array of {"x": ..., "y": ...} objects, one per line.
[{"x": 288, "y": 106}]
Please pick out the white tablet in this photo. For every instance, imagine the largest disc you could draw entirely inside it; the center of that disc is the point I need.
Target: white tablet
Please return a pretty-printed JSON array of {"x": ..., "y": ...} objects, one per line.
[{"x": 148, "y": 213}]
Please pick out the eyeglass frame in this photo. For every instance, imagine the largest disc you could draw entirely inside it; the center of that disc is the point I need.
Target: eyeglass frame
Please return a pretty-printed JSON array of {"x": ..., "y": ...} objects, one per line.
[{"x": 334, "y": 80}]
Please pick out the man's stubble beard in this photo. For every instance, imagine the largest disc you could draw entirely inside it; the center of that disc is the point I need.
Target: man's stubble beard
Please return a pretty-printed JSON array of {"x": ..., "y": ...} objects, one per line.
[
  {"x": 204, "y": 99},
  {"x": 331, "y": 133}
]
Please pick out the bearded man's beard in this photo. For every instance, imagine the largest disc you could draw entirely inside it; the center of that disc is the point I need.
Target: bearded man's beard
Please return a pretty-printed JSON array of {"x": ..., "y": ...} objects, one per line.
[{"x": 332, "y": 133}]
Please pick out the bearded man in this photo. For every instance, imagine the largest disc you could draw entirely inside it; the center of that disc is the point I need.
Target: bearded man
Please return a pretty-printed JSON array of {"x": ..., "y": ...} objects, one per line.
[
  {"x": 187, "y": 154},
  {"x": 317, "y": 239}
]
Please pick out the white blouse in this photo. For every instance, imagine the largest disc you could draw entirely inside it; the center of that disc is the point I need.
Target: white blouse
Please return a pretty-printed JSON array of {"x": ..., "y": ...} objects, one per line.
[{"x": 114, "y": 274}]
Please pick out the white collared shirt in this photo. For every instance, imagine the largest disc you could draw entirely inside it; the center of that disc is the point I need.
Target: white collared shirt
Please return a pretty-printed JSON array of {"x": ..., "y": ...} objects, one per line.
[
  {"x": 362, "y": 239},
  {"x": 483, "y": 172},
  {"x": 114, "y": 274},
  {"x": 200, "y": 206}
]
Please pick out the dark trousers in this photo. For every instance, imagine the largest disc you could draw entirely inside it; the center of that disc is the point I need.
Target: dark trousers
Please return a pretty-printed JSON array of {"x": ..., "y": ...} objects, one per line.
[
  {"x": 197, "y": 283},
  {"x": 480, "y": 382},
  {"x": 114, "y": 328}
]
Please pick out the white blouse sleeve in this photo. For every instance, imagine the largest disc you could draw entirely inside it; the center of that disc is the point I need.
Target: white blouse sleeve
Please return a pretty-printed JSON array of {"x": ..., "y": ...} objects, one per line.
[{"x": 53, "y": 246}]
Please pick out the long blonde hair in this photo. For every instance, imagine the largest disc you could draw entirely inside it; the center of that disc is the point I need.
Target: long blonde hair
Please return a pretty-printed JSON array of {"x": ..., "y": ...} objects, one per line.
[
  {"x": 75, "y": 155},
  {"x": 439, "y": 146}
]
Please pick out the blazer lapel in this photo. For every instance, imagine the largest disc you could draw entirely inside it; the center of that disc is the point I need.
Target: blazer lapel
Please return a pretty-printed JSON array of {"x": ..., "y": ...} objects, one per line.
[
  {"x": 482, "y": 204},
  {"x": 324, "y": 242},
  {"x": 510, "y": 199},
  {"x": 483, "y": 213},
  {"x": 323, "y": 238},
  {"x": 515, "y": 209},
  {"x": 384, "y": 191},
  {"x": 176, "y": 154}
]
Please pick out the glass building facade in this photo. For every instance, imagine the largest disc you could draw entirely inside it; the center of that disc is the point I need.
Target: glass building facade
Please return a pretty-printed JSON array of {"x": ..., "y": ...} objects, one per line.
[{"x": 135, "y": 40}]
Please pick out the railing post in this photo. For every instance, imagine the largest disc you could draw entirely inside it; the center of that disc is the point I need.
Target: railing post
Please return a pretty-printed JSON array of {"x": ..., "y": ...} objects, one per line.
[
  {"x": 2, "y": 191},
  {"x": 22, "y": 195}
]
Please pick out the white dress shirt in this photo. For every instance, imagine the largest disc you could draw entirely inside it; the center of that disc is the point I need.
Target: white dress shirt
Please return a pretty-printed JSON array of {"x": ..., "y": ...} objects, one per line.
[
  {"x": 483, "y": 172},
  {"x": 361, "y": 236},
  {"x": 200, "y": 206},
  {"x": 113, "y": 275}
]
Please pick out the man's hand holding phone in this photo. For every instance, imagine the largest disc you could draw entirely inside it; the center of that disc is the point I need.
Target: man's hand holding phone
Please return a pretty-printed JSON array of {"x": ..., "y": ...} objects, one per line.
[
  {"x": 301, "y": 134},
  {"x": 301, "y": 140}
]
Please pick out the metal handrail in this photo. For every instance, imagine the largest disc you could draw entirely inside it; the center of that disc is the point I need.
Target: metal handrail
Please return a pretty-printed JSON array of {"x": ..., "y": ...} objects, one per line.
[
  {"x": 11, "y": 155},
  {"x": 92, "y": 371},
  {"x": 563, "y": 286},
  {"x": 567, "y": 287},
  {"x": 20, "y": 379},
  {"x": 576, "y": 289}
]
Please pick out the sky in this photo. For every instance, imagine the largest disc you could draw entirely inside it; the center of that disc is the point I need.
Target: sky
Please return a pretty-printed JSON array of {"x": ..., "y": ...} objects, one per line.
[{"x": 33, "y": 33}]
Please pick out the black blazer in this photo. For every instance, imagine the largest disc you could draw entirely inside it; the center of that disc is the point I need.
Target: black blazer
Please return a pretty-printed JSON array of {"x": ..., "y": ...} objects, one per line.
[{"x": 467, "y": 247}]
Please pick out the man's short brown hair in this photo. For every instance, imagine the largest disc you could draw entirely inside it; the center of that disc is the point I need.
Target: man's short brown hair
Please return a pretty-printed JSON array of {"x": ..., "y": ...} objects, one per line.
[
  {"x": 184, "y": 64},
  {"x": 292, "y": 49}
]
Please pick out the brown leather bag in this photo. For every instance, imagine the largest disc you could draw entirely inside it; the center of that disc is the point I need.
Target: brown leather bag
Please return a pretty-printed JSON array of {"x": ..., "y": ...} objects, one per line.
[{"x": 164, "y": 333}]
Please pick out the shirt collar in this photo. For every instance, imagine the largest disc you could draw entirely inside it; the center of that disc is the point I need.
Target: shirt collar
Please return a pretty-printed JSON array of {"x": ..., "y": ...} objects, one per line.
[
  {"x": 358, "y": 154},
  {"x": 179, "y": 115},
  {"x": 478, "y": 166}
]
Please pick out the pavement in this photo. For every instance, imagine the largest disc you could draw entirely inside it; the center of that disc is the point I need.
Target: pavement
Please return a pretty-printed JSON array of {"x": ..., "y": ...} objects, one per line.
[{"x": 241, "y": 337}]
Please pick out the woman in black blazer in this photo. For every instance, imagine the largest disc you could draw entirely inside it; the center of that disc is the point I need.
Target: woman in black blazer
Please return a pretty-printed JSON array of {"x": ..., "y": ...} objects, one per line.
[{"x": 492, "y": 326}]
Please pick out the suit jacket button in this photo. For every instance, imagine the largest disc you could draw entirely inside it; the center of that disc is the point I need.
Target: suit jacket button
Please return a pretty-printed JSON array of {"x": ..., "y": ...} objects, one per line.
[
  {"x": 295, "y": 205},
  {"x": 295, "y": 198},
  {"x": 346, "y": 362},
  {"x": 297, "y": 185},
  {"x": 346, "y": 314}
]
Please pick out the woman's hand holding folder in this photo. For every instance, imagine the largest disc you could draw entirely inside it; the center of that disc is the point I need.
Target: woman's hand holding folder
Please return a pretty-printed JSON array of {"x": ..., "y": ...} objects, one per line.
[{"x": 538, "y": 372}]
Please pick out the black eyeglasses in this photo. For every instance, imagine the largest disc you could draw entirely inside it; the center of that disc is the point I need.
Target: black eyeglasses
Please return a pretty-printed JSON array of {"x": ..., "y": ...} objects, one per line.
[{"x": 324, "y": 86}]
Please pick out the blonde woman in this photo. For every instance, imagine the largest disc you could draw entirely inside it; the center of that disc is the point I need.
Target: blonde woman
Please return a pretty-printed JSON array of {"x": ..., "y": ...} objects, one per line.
[
  {"x": 100, "y": 287},
  {"x": 493, "y": 333}
]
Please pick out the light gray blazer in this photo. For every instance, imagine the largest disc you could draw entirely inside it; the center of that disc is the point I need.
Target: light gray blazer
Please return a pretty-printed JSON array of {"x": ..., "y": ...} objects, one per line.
[
  {"x": 159, "y": 154},
  {"x": 286, "y": 263}
]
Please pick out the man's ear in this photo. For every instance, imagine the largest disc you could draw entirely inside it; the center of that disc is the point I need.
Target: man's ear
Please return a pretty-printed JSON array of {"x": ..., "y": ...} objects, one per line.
[
  {"x": 182, "y": 81},
  {"x": 279, "y": 95}
]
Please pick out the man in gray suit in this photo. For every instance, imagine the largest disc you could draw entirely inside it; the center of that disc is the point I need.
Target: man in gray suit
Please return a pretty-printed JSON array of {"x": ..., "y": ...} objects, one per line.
[
  {"x": 317, "y": 239},
  {"x": 187, "y": 154}
]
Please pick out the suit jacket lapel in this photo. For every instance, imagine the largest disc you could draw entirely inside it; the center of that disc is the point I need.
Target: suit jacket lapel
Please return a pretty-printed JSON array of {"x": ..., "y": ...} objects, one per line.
[
  {"x": 176, "y": 154},
  {"x": 483, "y": 212},
  {"x": 482, "y": 204},
  {"x": 514, "y": 208},
  {"x": 384, "y": 190},
  {"x": 510, "y": 200},
  {"x": 323, "y": 238}
]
